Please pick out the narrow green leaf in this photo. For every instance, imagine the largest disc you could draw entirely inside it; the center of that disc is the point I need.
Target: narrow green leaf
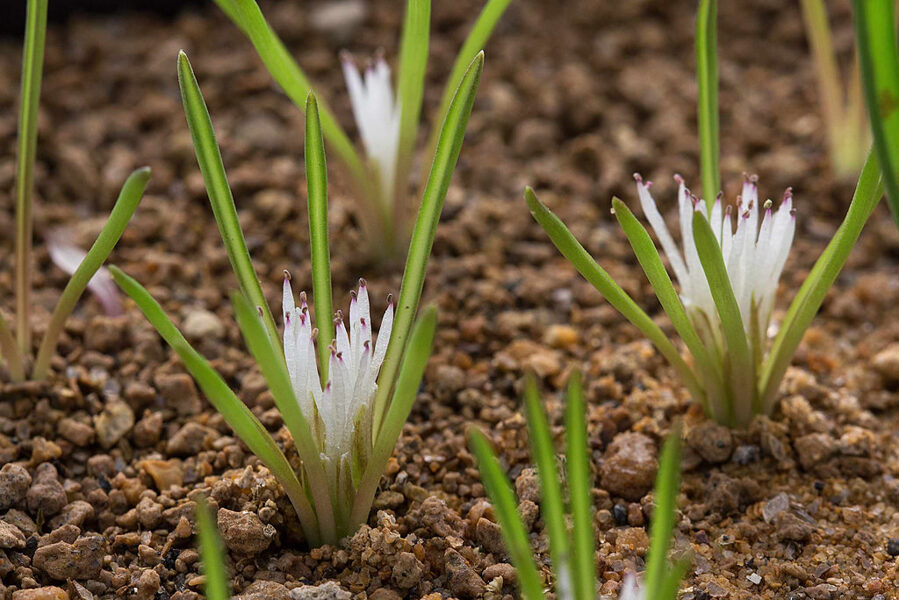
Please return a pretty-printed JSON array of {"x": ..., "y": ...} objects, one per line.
[
  {"x": 209, "y": 158},
  {"x": 32, "y": 70},
  {"x": 740, "y": 363},
  {"x": 270, "y": 359},
  {"x": 236, "y": 414},
  {"x": 125, "y": 205},
  {"x": 514, "y": 533},
  {"x": 10, "y": 352},
  {"x": 411, "y": 83},
  {"x": 474, "y": 43},
  {"x": 672, "y": 578},
  {"x": 212, "y": 554},
  {"x": 448, "y": 148},
  {"x": 571, "y": 249},
  {"x": 822, "y": 276},
  {"x": 285, "y": 70},
  {"x": 875, "y": 26},
  {"x": 411, "y": 372},
  {"x": 552, "y": 507},
  {"x": 707, "y": 77},
  {"x": 649, "y": 259},
  {"x": 581, "y": 491},
  {"x": 666, "y": 488},
  {"x": 317, "y": 198}
]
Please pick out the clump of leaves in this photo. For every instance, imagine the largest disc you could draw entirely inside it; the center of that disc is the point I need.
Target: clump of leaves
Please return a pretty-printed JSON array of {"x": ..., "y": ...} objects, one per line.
[
  {"x": 16, "y": 346},
  {"x": 727, "y": 276},
  {"x": 346, "y": 412},
  {"x": 571, "y": 536},
  {"x": 388, "y": 123}
]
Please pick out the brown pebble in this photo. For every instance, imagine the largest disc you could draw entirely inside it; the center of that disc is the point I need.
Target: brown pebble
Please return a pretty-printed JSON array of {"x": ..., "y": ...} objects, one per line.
[
  {"x": 148, "y": 430},
  {"x": 80, "y": 434},
  {"x": 46, "y": 495},
  {"x": 114, "y": 422},
  {"x": 462, "y": 580},
  {"x": 14, "y": 483},
  {"x": 713, "y": 442},
  {"x": 190, "y": 440},
  {"x": 81, "y": 560},
  {"x": 407, "y": 570},
  {"x": 10, "y": 536},
  {"x": 814, "y": 448},
  {"x": 630, "y": 466},
  {"x": 244, "y": 532},
  {"x": 504, "y": 570},
  {"x": 147, "y": 585},
  {"x": 489, "y": 536},
  {"x": 179, "y": 392},
  {"x": 44, "y": 593},
  {"x": 165, "y": 473}
]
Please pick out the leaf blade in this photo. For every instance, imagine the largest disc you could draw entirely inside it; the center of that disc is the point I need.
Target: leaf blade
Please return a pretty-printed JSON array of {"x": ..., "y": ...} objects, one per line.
[
  {"x": 581, "y": 491},
  {"x": 707, "y": 77},
  {"x": 212, "y": 554},
  {"x": 666, "y": 488}
]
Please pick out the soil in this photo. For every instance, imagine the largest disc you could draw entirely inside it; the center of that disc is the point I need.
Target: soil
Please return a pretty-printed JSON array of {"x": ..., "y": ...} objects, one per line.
[{"x": 101, "y": 462}]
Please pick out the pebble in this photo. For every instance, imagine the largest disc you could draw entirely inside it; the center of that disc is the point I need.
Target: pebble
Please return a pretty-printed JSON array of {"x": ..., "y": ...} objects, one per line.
[
  {"x": 790, "y": 527},
  {"x": 43, "y": 450},
  {"x": 178, "y": 391},
  {"x": 264, "y": 590},
  {"x": 106, "y": 334},
  {"x": 165, "y": 473},
  {"x": 44, "y": 593},
  {"x": 200, "y": 324},
  {"x": 713, "y": 442},
  {"x": 385, "y": 594},
  {"x": 560, "y": 336},
  {"x": 504, "y": 570},
  {"x": 115, "y": 421},
  {"x": 407, "y": 570},
  {"x": 886, "y": 362},
  {"x": 893, "y": 547},
  {"x": 46, "y": 495},
  {"x": 10, "y": 536},
  {"x": 630, "y": 466},
  {"x": 14, "y": 484},
  {"x": 81, "y": 560},
  {"x": 147, "y": 585},
  {"x": 746, "y": 454},
  {"x": 489, "y": 536},
  {"x": 326, "y": 591},
  {"x": 462, "y": 579},
  {"x": 80, "y": 434},
  {"x": 244, "y": 532},
  {"x": 775, "y": 506},
  {"x": 814, "y": 448},
  {"x": 148, "y": 430},
  {"x": 190, "y": 440}
]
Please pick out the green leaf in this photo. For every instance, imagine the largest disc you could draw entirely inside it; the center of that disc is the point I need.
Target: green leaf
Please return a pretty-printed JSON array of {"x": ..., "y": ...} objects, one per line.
[
  {"x": 125, "y": 205},
  {"x": 448, "y": 149},
  {"x": 707, "y": 77},
  {"x": 666, "y": 488},
  {"x": 10, "y": 352},
  {"x": 503, "y": 499},
  {"x": 270, "y": 359},
  {"x": 317, "y": 198},
  {"x": 875, "y": 26},
  {"x": 32, "y": 70},
  {"x": 285, "y": 70},
  {"x": 236, "y": 414},
  {"x": 581, "y": 491},
  {"x": 474, "y": 43},
  {"x": 649, "y": 259},
  {"x": 553, "y": 506},
  {"x": 571, "y": 249},
  {"x": 210, "y": 160},
  {"x": 411, "y": 372},
  {"x": 212, "y": 554},
  {"x": 739, "y": 357},
  {"x": 822, "y": 276},
  {"x": 411, "y": 84}
]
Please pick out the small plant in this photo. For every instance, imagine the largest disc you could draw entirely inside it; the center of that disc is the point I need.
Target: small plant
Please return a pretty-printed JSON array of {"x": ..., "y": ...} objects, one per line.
[
  {"x": 875, "y": 27},
  {"x": 728, "y": 279},
  {"x": 387, "y": 123},
  {"x": 15, "y": 347},
  {"x": 572, "y": 540},
  {"x": 842, "y": 106},
  {"x": 345, "y": 431},
  {"x": 212, "y": 554}
]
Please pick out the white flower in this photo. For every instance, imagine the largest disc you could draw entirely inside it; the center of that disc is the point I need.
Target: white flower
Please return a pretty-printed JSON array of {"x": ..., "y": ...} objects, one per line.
[
  {"x": 377, "y": 117},
  {"x": 335, "y": 411},
  {"x": 754, "y": 256}
]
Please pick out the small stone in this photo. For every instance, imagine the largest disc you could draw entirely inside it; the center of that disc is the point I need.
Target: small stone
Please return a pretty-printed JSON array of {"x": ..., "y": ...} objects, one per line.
[
  {"x": 814, "y": 448},
  {"x": 327, "y": 591},
  {"x": 527, "y": 486},
  {"x": 74, "y": 513},
  {"x": 43, "y": 450},
  {"x": 179, "y": 392},
  {"x": 504, "y": 570},
  {"x": 80, "y": 434},
  {"x": 462, "y": 579},
  {"x": 46, "y": 495},
  {"x": 388, "y": 499},
  {"x": 489, "y": 536},
  {"x": 190, "y": 439},
  {"x": 886, "y": 362},
  {"x": 148, "y": 430},
  {"x": 754, "y": 578},
  {"x": 385, "y": 594},
  {"x": 14, "y": 484},
  {"x": 264, "y": 590},
  {"x": 79, "y": 592},
  {"x": 775, "y": 506},
  {"x": 407, "y": 570},
  {"x": 746, "y": 454},
  {"x": 790, "y": 527},
  {"x": 147, "y": 585},
  {"x": 630, "y": 466},
  {"x": 165, "y": 473},
  {"x": 713, "y": 442},
  {"x": 106, "y": 335},
  {"x": 560, "y": 336},
  {"x": 81, "y": 560},
  {"x": 115, "y": 421},
  {"x": 632, "y": 540},
  {"x": 244, "y": 532},
  {"x": 893, "y": 547},
  {"x": 10, "y": 536},
  {"x": 44, "y": 593},
  {"x": 200, "y": 324}
]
